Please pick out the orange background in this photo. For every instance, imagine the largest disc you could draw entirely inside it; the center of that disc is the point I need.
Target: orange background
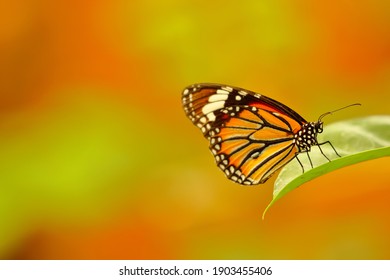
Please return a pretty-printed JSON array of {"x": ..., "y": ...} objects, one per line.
[{"x": 98, "y": 161}]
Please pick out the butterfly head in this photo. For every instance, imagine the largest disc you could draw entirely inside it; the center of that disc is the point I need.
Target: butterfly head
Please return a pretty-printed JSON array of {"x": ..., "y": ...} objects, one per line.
[{"x": 319, "y": 127}]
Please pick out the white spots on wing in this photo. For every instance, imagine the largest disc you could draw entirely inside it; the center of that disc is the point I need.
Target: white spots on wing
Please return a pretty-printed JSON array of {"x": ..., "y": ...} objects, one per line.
[
  {"x": 243, "y": 93},
  {"x": 257, "y": 95},
  {"x": 211, "y": 107},
  {"x": 222, "y": 92},
  {"x": 255, "y": 155},
  {"x": 211, "y": 117},
  {"x": 228, "y": 89},
  {"x": 238, "y": 97},
  {"x": 215, "y": 102},
  {"x": 203, "y": 120},
  {"x": 186, "y": 91},
  {"x": 231, "y": 110},
  {"x": 231, "y": 171},
  {"x": 234, "y": 178},
  {"x": 218, "y": 97}
]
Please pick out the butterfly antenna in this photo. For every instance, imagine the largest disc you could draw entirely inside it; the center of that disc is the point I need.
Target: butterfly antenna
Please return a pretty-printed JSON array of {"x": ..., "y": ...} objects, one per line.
[{"x": 331, "y": 112}]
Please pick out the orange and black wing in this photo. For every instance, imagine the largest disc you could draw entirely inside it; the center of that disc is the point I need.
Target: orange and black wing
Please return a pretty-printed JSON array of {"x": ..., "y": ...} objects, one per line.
[{"x": 251, "y": 136}]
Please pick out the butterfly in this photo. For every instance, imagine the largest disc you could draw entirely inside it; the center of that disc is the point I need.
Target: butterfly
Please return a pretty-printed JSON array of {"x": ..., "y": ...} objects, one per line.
[{"x": 251, "y": 135}]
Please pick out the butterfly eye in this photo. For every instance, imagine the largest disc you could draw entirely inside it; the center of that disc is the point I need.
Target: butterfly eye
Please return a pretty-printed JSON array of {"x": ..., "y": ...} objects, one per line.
[{"x": 320, "y": 127}]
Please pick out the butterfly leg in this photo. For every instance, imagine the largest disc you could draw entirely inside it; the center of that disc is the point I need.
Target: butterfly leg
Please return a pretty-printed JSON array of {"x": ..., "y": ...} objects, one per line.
[
  {"x": 327, "y": 142},
  {"x": 303, "y": 169},
  {"x": 308, "y": 156}
]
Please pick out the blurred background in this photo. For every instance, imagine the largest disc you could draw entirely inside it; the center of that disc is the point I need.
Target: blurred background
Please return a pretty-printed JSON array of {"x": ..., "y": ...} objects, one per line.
[{"x": 98, "y": 160}]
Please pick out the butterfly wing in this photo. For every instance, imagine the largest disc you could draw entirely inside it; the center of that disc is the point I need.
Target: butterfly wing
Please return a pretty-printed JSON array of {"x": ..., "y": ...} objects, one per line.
[{"x": 251, "y": 136}]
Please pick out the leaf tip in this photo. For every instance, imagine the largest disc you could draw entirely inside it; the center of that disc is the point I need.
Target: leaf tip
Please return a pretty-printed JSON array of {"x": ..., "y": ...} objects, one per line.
[{"x": 265, "y": 210}]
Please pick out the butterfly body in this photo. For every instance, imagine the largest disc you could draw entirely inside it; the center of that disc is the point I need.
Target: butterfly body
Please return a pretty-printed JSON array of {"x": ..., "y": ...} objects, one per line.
[{"x": 251, "y": 135}]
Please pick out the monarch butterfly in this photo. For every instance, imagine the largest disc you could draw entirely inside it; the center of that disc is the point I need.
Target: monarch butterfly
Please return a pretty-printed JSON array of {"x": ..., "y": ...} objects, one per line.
[{"x": 251, "y": 135}]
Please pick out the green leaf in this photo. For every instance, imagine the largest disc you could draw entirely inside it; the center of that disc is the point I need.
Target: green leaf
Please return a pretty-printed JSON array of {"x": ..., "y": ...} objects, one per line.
[{"x": 355, "y": 140}]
